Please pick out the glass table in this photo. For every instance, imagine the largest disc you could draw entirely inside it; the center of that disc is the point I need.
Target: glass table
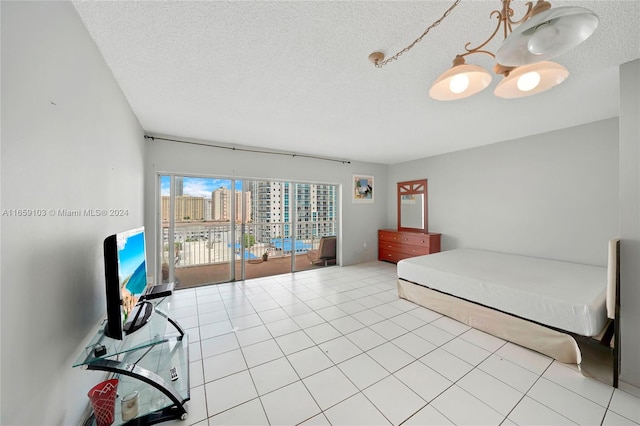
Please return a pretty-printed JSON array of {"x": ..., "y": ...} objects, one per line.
[{"x": 142, "y": 362}]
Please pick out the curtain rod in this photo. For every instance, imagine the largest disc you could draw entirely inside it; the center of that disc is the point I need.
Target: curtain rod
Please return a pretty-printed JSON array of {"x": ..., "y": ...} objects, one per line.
[{"x": 248, "y": 150}]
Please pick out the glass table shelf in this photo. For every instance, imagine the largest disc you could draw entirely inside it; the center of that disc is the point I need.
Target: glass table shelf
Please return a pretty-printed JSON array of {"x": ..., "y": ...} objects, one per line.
[
  {"x": 153, "y": 333},
  {"x": 142, "y": 362}
]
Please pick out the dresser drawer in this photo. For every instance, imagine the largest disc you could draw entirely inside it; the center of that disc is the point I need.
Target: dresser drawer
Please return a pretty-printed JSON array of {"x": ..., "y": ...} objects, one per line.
[
  {"x": 404, "y": 248},
  {"x": 392, "y": 256},
  {"x": 415, "y": 250},
  {"x": 390, "y": 236},
  {"x": 389, "y": 246},
  {"x": 415, "y": 239}
]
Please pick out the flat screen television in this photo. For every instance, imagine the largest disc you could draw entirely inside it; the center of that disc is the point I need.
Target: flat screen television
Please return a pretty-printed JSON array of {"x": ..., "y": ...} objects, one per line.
[{"x": 126, "y": 281}]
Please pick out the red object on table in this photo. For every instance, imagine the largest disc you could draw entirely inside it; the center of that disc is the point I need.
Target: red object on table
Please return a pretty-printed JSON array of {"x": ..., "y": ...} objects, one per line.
[{"x": 103, "y": 399}]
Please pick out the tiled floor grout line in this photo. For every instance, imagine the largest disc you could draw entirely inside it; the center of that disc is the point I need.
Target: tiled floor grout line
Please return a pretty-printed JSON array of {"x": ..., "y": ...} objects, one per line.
[
  {"x": 570, "y": 390},
  {"x": 608, "y": 405},
  {"x": 334, "y": 365},
  {"x": 246, "y": 364},
  {"x": 252, "y": 380},
  {"x": 277, "y": 291},
  {"x": 540, "y": 402},
  {"x": 359, "y": 391},
  {"x": 292, "y": 367},
  {"x": 428, "y": 403},
  {"x": 524, "y": 395},
  {"x": 344, "y": 335},
  {"x": 473, "y": 369},
  {"x": 317, "y": 345},
  {"x": 611, "y": 400},
  {"x": 204, "y": 383}
]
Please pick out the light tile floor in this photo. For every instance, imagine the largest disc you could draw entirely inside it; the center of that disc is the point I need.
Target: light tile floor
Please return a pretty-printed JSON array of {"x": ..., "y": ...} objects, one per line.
[{"x": 337, "y": 346}]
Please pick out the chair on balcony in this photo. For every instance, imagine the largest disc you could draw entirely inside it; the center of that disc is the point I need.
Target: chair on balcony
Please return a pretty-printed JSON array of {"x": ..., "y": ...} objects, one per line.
[{"x": 326, "y": 251}]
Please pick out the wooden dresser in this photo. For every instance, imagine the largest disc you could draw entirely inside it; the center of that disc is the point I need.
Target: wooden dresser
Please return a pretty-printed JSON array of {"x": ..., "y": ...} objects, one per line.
[{"x": 394, "y": 246}]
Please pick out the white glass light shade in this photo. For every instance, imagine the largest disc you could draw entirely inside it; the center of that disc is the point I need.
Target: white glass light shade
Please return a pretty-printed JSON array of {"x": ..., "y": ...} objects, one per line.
[
  {"x": 459, "y": 83},
  {"x": 528, "y": 81},
  {"x": 451, "y": 83},
  {"x": 521, "y": 81},
  {"x": 547, "y": 35}
]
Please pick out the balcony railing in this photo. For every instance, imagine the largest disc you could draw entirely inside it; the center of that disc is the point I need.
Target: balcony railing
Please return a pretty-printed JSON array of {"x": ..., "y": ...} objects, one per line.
[{"x": 205, "y": 243}]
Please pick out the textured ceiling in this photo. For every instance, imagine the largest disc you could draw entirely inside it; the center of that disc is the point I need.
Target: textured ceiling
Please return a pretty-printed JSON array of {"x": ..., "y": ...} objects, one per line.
[{"x": 294, "y": 75}]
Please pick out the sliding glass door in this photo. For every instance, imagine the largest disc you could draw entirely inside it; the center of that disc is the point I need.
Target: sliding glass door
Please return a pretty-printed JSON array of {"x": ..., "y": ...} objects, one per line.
[
  {"x": 218, "y": 230},
  {"x": 315, "y": 216},
  {"x": 198, "y": 245}
]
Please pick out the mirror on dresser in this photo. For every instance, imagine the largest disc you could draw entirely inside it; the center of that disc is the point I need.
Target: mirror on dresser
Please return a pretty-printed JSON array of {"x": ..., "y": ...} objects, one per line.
[
  {"x": 412, "y": 206},
  {"x": 411, "y": 238}
]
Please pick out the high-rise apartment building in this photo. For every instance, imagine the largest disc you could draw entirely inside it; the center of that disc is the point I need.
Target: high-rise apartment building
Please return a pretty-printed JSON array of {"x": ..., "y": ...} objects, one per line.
[
  {"x": 221, "y": 204},
  {"x": 207, "y": 209},
  {"x": 187, "y": 208},
  {"x": 179, "y": 182},
  {"x": 220, "y": 210},
  {"x": 312, "y": 206}
]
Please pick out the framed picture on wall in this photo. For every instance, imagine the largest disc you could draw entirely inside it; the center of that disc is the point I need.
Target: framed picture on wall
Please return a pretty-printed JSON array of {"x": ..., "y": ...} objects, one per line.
[{"x": 363, "y": 189}]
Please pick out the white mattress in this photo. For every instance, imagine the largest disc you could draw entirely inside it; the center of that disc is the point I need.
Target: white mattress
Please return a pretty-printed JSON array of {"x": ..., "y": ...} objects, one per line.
[{"x": 567, "y": 296}]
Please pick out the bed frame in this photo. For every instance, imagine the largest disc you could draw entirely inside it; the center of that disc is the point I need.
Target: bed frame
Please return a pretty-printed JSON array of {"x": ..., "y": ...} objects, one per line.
[{"x": 555, "y": 343}]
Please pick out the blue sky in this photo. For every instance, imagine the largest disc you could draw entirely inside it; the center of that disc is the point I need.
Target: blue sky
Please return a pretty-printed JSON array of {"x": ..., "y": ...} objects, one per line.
[{"x": 198, "y": 187}]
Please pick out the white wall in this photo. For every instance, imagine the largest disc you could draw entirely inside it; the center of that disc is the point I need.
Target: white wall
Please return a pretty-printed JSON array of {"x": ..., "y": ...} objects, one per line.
[
  {"x": 360, "y": 222},
  {"x": 69, "y": 141},
  {"x": 630, "y": 221},
  {"x": 552, "y": 195}
]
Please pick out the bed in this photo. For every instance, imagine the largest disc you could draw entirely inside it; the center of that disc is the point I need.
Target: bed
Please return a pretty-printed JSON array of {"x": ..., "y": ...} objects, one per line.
[{"x": 542, "y": 304}]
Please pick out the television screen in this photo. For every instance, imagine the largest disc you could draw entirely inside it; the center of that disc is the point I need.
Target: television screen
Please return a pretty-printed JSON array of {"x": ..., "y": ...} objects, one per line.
[
  {"x": 132, "y": 271},
  {"x": 126, "y": 277}
]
